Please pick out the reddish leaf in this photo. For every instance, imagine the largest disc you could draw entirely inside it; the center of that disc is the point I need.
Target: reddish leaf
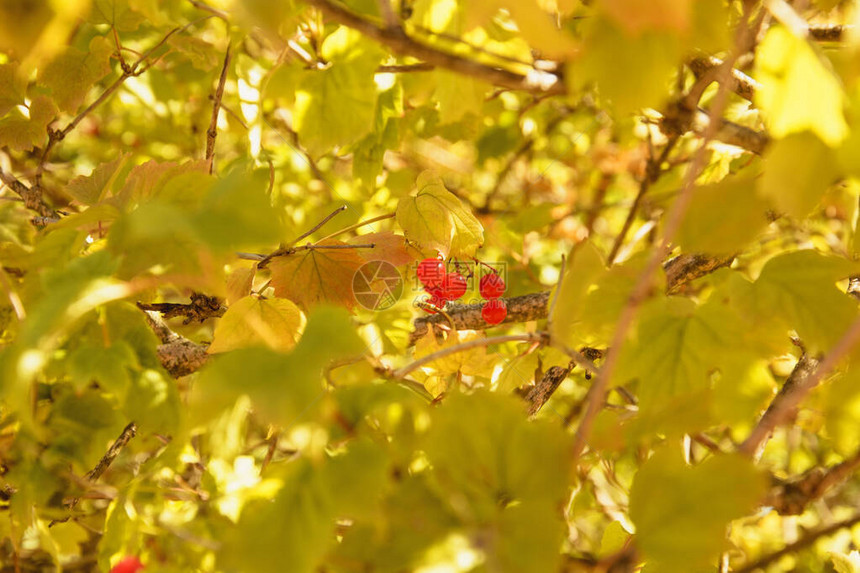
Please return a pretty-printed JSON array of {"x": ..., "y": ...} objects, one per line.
[
  {"x": 388, "y": 246},
  {"x": 313, "y": 276}
]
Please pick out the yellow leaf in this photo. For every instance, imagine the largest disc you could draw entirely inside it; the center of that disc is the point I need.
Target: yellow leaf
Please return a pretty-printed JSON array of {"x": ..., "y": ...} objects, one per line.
[
  {"x": 436, "y": 219},
  {"x": 797, "y": 91},
  {"x": 472, "y": 362},
  {"x": 316, "y": 276},
  {"x": 251, "y": 321},
  {"x": 23, "y": 133}
]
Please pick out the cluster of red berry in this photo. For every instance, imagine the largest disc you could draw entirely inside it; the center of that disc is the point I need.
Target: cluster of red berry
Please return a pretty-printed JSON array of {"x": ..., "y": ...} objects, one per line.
[{"x": 444, "y": 286}]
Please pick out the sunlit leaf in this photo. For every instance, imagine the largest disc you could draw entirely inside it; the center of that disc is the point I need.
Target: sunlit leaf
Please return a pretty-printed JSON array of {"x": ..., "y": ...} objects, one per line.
[
  {"x": 436, "y": 219},
  {"x": 335, "y": 106},
  {"x": 276, "y": 323},
  {"x": 798, "y": 93}
]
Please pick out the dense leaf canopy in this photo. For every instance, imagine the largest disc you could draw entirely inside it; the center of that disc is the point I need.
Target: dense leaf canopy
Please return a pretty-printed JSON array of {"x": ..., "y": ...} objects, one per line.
[{"x": 218, "y": 353}]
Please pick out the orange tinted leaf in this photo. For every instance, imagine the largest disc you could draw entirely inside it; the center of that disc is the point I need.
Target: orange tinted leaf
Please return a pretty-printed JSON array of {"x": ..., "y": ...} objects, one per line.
[
  {"x": 313, "y": 276},
  {"x": 71, "y": 74},
  {"x": 92, "y": 188},
  {"x": 239, "y": 283},
  {"x": 250, "y": 321},
  {"x": 388, "y": 246}
]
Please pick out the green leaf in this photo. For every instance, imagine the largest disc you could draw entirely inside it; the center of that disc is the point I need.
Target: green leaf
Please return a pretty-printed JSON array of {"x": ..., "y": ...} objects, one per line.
[
  {"x": 497, "y": 451},
  {"x": 283, "y": 387},
  {"x": 276, "y": 323},
  {"x": 153, "y": 403},
  {"x": 797, "y": 92},
  {"x": 841, "y": 411},
  {"x": 631, "y": 73},
  {"x": 71, "y": 75},
  {"x": 108, "y": 366},
  {"x": 116, "y": 13},
  {"x": 681, "y": 513},
  {"x": 458, "y": 95},
  {"x": 676, "y": 349},
  {"x": 800, "y": 288},
  {"x": 336, "y": 106},
  {"x": 583, "y": 269},
  {"x": 723, "y": 218},
  {"x": 436, "y": 219},
  {"x": 202, "y": 54},
  {"x": 236, "y": 213},
  {"x": 798, "y": 170},
  {"x": 22, "y": 133}
]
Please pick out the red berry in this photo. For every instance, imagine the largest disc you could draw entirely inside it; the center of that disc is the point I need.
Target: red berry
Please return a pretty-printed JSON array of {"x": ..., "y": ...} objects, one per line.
[
  {"x": 454, "y": 286},
  {"x": 491, "y": 286},
  {"x": 494, "y": 311},
  {"x": 431, "y": 273},
  {"x": 127, "y": 565}
]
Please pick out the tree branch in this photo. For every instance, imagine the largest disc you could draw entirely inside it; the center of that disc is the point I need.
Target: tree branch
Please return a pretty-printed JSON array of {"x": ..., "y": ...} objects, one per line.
[
  {"x": 396, "y": 39},
  {"x": 541, "y": 392},
  {"x": 806, "y": 375},
  {"x": 802, "y": 543},
  {"x": 212, "y": 132},
  {"x": 679, "y": 270},
  {"x": 705, "y": 69},
  {"x": 32, "y": 197}
]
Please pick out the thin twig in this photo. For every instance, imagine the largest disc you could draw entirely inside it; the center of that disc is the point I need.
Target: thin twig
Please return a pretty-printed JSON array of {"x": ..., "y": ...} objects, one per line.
[
  {"x": 327, "y": 218},
  {"x": 104, "y": 463},
  {"x": 405, "y": 68},
  {"x": 212, "y": 132},
  {"x": 653, "y": 171}
]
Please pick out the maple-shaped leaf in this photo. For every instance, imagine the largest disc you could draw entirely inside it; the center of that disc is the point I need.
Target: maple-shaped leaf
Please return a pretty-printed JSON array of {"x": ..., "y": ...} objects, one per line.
[
  {"x": 23, "y": 133},
  {"x": 388, "y": 246},
  {"x": 314, "y": 276},
  {"x": 473, "y": 362},
  {"x": 436, "y": 219},
  {"x": 148, "y": 179},
  {"x": 251, "y": 321},
  {"x": 92, "y": 188},
  {"x": 71, "y": 74}
]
